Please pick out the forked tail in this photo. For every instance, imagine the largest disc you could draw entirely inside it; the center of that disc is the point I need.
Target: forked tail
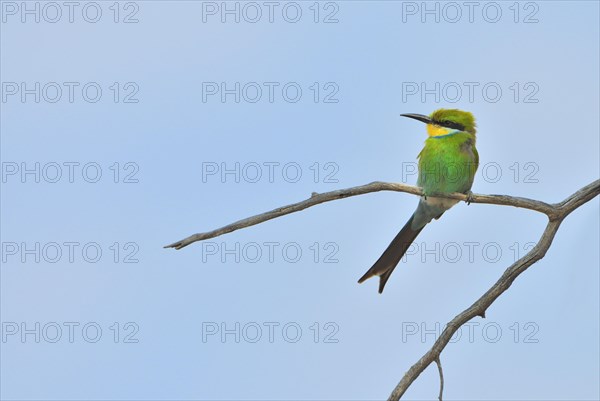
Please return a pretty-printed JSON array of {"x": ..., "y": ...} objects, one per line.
[{"x": 390, "y": 258}]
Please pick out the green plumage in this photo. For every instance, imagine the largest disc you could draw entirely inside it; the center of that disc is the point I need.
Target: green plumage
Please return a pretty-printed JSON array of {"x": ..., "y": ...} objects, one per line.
[{"x": 448, "y": 163}]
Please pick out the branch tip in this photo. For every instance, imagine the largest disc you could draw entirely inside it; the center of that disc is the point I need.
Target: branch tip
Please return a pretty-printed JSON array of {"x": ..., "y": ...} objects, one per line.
[{"x": 441, "y": 372}]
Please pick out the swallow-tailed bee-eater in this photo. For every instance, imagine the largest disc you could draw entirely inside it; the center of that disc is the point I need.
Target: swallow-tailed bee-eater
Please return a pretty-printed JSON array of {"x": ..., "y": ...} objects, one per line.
[{"x": 447, "y": 164}]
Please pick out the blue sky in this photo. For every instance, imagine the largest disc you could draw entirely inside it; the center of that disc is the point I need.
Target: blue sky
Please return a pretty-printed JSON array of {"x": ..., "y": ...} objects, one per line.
[{"x": 137, "y": 141}]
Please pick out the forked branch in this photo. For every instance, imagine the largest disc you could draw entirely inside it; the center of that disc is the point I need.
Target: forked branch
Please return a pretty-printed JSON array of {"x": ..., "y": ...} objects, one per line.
[{"x": 556, "y": 214}]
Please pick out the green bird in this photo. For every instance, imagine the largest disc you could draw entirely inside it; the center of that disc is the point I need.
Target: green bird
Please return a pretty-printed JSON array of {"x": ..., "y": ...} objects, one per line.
[{"x": 447, "y": 163}]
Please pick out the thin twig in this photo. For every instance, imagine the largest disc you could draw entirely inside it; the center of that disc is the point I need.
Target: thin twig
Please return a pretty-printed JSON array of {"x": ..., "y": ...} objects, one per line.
[{"x": 439, "y": 365}]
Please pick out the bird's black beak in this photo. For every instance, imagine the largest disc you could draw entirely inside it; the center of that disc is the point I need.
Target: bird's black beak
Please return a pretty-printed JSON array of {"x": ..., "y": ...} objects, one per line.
[{"x": 419, "y": 117}]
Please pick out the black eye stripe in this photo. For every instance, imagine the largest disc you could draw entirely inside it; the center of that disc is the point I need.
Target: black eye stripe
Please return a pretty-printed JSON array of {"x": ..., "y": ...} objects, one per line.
[{"x": 452, "y": 124}]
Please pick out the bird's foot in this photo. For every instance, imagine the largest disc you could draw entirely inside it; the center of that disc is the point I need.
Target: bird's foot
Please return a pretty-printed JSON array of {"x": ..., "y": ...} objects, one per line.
[{"x": 469, "y": 197}]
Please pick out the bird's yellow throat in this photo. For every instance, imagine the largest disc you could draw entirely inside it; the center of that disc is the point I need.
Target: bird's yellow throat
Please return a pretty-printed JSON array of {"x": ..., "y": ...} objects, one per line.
[{"x": 436, "y": 130}]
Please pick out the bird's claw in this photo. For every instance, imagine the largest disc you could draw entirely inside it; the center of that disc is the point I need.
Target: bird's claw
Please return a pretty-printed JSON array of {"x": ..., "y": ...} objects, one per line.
[{"x": 469, "y": 197}]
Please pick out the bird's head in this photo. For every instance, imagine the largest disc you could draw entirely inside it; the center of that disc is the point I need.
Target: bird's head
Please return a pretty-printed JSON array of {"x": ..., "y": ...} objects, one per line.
[{"x": 446, "y": 121}]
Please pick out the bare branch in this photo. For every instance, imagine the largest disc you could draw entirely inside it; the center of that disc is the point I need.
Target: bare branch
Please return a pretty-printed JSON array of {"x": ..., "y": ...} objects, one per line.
[
  {"x": 580, "y": 197},
  {"x": 479, "y": 307},
  {"x": 555, "y": 212},
  {"x": 377, "y": 186}
]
